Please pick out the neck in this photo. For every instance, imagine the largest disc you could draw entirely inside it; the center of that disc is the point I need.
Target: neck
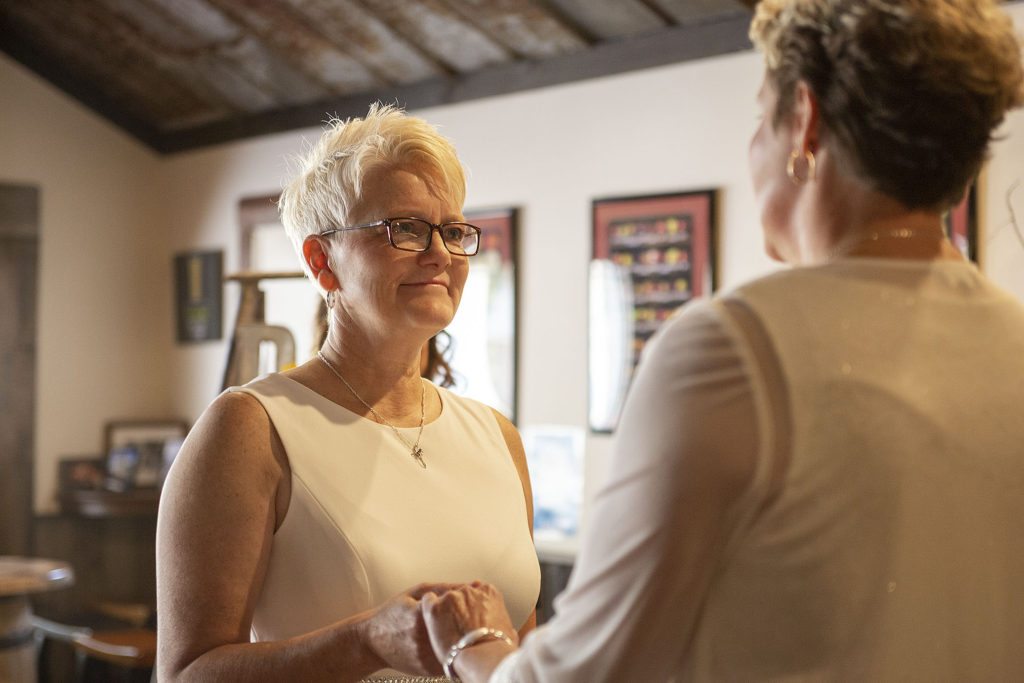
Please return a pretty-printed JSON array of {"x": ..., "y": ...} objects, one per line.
[
  {"x": 904, "y": 242},
  {"x": 839, "y": 215},
  {"x": 387, "y": 384}
]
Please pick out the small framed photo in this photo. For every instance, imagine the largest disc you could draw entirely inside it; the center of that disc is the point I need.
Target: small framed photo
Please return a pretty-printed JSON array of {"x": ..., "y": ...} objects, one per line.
[
  {"x": 652, "y": 254},
  {"x": 137, "y": 451},
  {"x": 122, "y": 463}
]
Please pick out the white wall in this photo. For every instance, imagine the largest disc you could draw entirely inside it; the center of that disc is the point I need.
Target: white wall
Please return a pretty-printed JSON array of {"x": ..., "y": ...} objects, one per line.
[
  {"x": 103, "y": 323},
  {"x": 114, "y": 215}
]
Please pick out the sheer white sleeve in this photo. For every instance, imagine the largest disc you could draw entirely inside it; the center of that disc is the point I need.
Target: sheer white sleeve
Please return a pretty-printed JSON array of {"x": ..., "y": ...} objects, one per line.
[{"x": 687, "y": 470}]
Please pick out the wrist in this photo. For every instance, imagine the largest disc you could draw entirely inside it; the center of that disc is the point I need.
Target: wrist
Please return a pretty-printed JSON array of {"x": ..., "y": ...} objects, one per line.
[
  {"x": 367, "y": 641},
  {"x": 476, "y": 638}
]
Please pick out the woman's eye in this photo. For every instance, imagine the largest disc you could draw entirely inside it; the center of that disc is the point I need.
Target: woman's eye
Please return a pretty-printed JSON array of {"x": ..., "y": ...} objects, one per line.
[{"x": 404, "y": 228}]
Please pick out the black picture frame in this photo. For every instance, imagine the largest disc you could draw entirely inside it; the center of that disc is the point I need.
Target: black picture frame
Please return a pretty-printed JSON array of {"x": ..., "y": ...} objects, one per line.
[{"x": 198, "y": 286}]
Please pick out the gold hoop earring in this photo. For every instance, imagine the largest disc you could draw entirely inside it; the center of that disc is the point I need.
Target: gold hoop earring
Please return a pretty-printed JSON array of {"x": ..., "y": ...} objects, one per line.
[{"x": 791, "y": 167}]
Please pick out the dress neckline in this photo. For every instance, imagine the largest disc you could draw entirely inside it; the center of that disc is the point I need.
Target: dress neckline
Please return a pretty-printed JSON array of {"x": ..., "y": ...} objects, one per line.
[{"x": 337, "y": 406}]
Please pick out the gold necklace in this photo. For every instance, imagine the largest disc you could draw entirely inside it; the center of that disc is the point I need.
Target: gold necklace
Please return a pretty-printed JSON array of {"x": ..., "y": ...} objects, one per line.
[
  {"x": 899, "y": 234},
  {"x": 414, "y": 448}
]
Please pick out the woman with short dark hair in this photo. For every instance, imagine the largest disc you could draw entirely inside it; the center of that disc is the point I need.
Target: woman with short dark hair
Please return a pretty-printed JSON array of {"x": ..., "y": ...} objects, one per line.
[{"x": 818, "y": 476}]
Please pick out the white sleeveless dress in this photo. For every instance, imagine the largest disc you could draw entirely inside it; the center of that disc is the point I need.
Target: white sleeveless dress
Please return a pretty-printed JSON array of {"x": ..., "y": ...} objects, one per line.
[{"x": 366, "y": 521}]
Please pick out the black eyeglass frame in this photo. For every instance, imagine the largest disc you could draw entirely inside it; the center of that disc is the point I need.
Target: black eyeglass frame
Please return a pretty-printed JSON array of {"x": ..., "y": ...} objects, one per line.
[{"x": 386, "y": 222}]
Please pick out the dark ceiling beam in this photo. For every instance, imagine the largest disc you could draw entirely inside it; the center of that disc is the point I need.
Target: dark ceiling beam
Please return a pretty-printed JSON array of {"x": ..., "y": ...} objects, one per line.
[
  {"x": 61, "y": 75},
  {"x": 675, "y": 45}
]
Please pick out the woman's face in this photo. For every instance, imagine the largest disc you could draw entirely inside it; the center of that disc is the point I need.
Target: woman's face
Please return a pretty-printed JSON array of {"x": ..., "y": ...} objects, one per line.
[
  {"x": 384, "y": 290},
  {"x": 775, "y": 192}
]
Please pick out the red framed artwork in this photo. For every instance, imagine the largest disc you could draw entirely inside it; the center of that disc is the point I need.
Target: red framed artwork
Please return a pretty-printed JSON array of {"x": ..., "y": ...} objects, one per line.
[{"x": 651, "y": 255}]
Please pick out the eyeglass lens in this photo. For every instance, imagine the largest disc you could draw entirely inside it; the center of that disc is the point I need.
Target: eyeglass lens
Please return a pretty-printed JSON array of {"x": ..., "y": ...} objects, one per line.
[{"x": 414, "y": 234}]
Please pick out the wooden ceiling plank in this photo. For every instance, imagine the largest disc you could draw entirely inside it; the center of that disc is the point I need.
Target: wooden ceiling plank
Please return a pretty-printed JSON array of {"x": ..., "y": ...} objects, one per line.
[
  {"x": 298, "y": 44},
  {"x": 682, "y": 12},
  {"x": 434, "y": 28},
  {"x": 197, "y": 18},
  {"x": 170, "y": 29},
  {"x": 278, "y": 80},
  {"x": 209, "y": 73},
  {"x": 84, "y": 43},
  {"x": 522, "y": 27},
  {"x": 194, "y": 62},
  {"x": 358, "y": 33},
  {"x": 609, "y": 19}
]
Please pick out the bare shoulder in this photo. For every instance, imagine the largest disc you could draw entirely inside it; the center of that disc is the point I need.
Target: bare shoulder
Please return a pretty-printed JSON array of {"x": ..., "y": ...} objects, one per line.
[{"x": 233, "y": 449}]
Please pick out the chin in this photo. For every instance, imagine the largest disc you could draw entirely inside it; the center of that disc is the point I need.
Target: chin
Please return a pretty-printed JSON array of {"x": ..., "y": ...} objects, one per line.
[{"x": 436, "y": 318}]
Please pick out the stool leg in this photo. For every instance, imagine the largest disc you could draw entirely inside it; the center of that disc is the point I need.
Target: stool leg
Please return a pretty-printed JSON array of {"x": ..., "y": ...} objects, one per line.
[{"x": 80, "y": 662}]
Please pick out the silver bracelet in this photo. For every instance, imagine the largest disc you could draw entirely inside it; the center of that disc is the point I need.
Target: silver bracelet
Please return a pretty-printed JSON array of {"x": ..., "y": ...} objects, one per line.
[{"x": 471, "y": 638}]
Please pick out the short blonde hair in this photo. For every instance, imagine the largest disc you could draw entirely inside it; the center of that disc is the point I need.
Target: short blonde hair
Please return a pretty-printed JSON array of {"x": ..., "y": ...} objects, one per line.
[
  {"x": 329, "y": 182},
  {"x": 910, "y": 90}
]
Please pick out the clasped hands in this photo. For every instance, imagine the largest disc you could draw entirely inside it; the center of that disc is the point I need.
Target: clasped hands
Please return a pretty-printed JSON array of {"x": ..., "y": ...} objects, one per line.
[{"x": 414, "y": 631}]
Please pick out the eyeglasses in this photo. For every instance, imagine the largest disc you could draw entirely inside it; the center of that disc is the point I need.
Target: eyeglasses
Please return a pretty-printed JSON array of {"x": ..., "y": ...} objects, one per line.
[{"x": 415, "y": 234}]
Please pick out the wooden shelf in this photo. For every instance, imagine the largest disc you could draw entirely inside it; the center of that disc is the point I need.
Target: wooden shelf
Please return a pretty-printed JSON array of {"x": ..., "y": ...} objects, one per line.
[{"x": 97, "y": 503}]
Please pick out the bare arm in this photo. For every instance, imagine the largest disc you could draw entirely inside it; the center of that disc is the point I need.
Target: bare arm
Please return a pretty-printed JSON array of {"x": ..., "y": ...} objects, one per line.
[
  {"x": 223, "y": 499},
  {"x": 515, "y": 447}
]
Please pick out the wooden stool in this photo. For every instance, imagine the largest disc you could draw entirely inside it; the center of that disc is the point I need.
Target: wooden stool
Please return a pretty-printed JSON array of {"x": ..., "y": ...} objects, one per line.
[
  {"x": 19, "y": 578},
  {"x": 100, "y": 656},
  {"x": 127, "y": 655}
]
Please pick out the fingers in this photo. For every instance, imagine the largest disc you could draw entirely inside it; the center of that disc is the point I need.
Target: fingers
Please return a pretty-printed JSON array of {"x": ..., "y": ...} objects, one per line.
[
  {"x": 462, "y": 609},
  {"x": 419, "y": 591}
]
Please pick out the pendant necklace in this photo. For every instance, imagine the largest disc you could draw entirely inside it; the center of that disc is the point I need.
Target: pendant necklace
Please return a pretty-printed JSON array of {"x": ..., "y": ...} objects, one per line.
[
  {"x": 899, "y": 234},
  {"x": 414, "y": 448}
]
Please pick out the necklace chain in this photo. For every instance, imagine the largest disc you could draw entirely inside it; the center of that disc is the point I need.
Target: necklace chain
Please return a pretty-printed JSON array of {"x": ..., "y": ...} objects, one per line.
[
  {"x": 414, "y": 448},
  {"x": 844, "y": 248}
]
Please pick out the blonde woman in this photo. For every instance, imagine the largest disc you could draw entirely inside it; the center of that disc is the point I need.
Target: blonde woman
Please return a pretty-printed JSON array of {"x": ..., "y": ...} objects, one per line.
[{"x": 308, "y": 510}]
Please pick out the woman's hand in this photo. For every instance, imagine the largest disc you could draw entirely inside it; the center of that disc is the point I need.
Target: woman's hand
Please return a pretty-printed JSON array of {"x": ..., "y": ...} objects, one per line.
[
  {"x": 463, "y": 609},
  {"x": 397, "y": 635}
]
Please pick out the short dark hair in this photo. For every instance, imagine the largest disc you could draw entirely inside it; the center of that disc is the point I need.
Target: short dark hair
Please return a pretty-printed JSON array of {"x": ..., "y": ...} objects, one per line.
[{"x": 909, "y": 90}]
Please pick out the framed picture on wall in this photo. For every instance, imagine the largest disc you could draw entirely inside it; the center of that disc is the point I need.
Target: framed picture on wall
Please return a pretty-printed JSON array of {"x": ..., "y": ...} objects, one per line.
[
  {"x": 483, "y": 333},
  {"x": 961, "y": 225},
  {"x": 198, "y": 284},
  {"x": 138, "y": 453},
  {"x": 651, "y": 254}
]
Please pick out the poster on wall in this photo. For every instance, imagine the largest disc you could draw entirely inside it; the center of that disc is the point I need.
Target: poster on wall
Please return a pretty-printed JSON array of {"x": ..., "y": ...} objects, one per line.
[
  {"x": 198, "y": 284},
  {"x": 651, "y": 255}
]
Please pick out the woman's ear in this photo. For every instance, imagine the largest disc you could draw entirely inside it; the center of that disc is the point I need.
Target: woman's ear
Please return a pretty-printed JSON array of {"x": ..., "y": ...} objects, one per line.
[
  {"x": 315, "y": 255},
  {"x": 805, "y": 119}
]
